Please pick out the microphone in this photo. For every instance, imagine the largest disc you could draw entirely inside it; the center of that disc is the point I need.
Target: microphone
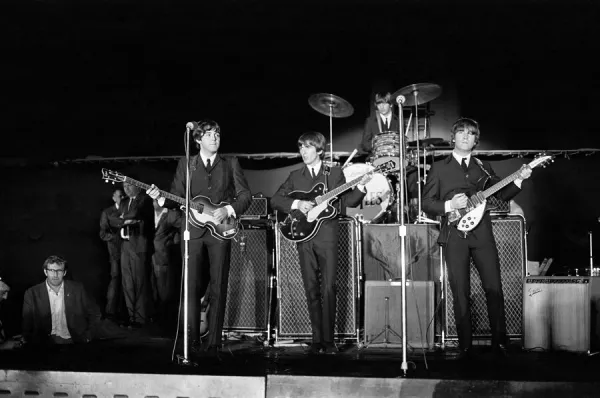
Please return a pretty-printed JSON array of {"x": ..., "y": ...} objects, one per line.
[
  {"x": 191, "y": 125},
  {"x": 400, "y": 99}
]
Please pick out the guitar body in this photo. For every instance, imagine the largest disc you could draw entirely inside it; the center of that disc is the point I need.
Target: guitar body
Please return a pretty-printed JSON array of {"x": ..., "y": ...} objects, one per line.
[
  {"x": 201, "y": 216},
  {"x": 299, "y": 227}
]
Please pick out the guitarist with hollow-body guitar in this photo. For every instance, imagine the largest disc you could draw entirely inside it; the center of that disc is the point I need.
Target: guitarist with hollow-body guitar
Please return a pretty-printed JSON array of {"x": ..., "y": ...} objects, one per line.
[
  {"x": 220, "y": 179},
  {"x": 449, "y": 184},
  {"x": 320, "y": 252}
]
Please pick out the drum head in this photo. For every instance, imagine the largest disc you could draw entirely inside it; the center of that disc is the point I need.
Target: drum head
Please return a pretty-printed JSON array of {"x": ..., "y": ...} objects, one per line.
[{"x": 379, "y": 195}]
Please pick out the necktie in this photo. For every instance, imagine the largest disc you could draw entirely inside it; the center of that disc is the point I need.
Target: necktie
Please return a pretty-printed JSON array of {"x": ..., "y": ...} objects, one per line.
[
  {"x": 385, "y": 122},
  {"x": 207, "y": 164},
  {"x": 463, "y": 164},
  {"x": 312, "y": 171}
]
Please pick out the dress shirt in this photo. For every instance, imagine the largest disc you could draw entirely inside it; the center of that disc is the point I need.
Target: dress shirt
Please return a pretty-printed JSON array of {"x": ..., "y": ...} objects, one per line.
[{"x": 57, "y": 309}]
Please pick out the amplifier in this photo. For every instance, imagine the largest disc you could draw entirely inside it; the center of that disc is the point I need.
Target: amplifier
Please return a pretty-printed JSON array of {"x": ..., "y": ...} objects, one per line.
[
  {"x": 561, "y": 313},
  {"x": 258, "y": 209}
]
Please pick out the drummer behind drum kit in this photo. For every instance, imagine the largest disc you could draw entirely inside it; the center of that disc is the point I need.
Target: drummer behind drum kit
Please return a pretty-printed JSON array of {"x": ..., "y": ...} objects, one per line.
[{"x": 381, "y": 194}]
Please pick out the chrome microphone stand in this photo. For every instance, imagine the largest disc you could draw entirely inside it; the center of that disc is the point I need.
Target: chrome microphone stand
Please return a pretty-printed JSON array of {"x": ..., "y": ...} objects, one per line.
[
  {"x": 186, "y": 251},
  {"x": 402, "y": 230}
]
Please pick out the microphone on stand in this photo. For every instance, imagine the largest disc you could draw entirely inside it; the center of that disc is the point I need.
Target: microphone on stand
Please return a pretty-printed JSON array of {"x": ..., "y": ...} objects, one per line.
[
  {"x": 191, "y": 125},
  {"x": 400, "y": 99}
]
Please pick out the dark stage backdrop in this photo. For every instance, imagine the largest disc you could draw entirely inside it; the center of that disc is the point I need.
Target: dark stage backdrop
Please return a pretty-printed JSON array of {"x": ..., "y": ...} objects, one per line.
[{"x": 56, "y": 209}]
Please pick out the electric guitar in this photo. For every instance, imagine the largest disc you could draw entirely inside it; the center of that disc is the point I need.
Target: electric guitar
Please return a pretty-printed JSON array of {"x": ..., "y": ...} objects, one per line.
[
  {"x": 201, "y": 208},
  {"x": 299, "y": 227},
  {"x": 468, "y": 218}
]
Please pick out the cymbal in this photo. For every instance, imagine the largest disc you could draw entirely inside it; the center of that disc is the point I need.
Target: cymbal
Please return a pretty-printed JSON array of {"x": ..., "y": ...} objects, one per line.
[
  {"x": 324, "y": 103},
  {"x": 425, "y": 92},
  {"x": 436, "y": 142}
]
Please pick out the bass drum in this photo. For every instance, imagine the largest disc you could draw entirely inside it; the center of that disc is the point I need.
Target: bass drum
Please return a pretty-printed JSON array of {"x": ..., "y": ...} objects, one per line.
[{"x": 379, "y": 195}]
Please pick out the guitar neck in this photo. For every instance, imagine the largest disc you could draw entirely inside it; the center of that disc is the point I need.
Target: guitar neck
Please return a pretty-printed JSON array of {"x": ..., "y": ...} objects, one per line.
[
  {"x": 496, "y": 187},
  {"x": 336, "y": 191},
  {"x": 168, "y": 195}
]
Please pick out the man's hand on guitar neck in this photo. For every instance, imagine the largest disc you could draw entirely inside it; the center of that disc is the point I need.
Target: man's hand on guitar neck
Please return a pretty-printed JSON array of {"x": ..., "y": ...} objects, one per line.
[{"x": 154, "y": 193}]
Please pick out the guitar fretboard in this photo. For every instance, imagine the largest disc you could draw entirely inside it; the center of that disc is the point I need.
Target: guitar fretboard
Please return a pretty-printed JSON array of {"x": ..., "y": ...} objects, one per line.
[
  {"x": 496, "y": 187},
  {"x": 194, "y": 205}
]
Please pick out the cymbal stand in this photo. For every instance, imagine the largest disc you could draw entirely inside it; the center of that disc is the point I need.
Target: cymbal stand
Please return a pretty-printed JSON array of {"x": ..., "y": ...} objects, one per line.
[
  {"x": 331, "y": 132},
  {"x": 416, "y": 131},
  {"x": 402, "y": 227}
]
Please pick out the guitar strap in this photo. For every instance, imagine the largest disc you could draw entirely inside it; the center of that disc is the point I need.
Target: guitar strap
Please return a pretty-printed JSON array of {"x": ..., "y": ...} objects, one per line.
[{"x": 480, "y": 164}]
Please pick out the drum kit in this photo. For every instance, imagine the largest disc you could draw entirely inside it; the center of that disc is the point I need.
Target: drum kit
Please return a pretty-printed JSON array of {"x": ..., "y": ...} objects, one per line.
[{"x": 381, "y": 195}]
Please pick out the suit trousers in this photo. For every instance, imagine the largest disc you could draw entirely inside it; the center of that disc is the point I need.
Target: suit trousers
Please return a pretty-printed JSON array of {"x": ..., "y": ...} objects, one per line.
[
  {"x": 480, "y": 245},
  {"x": 208, "y": 262},
  {"x": 318, "y": 263},
  {"x": 114, "y": 294},
  {"x": 134, "y": 277}
]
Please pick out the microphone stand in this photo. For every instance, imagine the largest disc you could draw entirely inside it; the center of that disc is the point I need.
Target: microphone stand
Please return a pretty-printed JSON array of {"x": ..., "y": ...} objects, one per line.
[
  {"x": 186, "y": 252},
  {"x": 402, "y": 227}
]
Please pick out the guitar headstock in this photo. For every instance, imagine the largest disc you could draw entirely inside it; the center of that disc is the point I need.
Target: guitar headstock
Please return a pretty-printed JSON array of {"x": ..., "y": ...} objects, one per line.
[
  {"x": 112, "y": 176},
  {"x": 386, "y": 167},
  {"x": 541, "y": 159}
]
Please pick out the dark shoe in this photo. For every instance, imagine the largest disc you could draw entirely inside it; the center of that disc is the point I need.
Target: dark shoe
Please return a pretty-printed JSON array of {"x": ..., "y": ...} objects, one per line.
[
  {"x": 330, "y": 349},
  {"x": 500, "y": 351},
  {"x": 316, "y": 349},
  {"x": 135, "y": 325},
  {"x": 466, "y": 354}
]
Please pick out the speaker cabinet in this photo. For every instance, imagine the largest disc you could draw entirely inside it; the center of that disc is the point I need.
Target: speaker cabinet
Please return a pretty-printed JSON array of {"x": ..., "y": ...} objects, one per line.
[
  {"x": 292, "y": 312},
  {"x": 509, "y": 233},
  {"x": 560, "y": 313},
  {"x": 247, "y": 307},
  {"x": 383, "y": 309}
]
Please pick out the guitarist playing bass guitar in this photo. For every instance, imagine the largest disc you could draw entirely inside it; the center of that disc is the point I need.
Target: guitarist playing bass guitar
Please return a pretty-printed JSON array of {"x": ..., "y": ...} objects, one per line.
[
  {"x": 220, "y": 179},
  {"x": 449, "y": 184},
  {"x": 319, "y": 253}
]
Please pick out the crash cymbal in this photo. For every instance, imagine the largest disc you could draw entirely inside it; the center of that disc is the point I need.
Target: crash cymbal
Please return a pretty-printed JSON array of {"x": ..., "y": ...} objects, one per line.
[
  {"x": 324, "y": 102},
  {"x": 426, "y": 142},
  {"x": 426, "y": 92}
]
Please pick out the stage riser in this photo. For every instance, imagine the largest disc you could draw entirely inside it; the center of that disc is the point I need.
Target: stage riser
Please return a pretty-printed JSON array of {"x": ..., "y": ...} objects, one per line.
[
  {"x": 509, "y": 233},
  {"x": 14, "y": 383}
]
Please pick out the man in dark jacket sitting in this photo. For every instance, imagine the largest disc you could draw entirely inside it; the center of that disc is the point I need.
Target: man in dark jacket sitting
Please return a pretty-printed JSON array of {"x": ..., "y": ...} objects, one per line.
[{"x": 58, "y": 311}]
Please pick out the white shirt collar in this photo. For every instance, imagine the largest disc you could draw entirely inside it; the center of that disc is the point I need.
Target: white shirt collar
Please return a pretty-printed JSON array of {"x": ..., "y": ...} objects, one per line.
[
  {"x": 460, "y": 158},
  {"x": 60, "y": 289},
  {"x": 316, "y": 167},
  {"x": 212, "y": 159}
]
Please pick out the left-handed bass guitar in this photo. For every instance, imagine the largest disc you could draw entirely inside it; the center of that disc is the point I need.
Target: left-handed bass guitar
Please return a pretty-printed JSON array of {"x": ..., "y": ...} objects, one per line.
[
  {"x": 299, "y": 227},
  {"x": 468, "y": 218},
  {"x": 201, "y": 208}
]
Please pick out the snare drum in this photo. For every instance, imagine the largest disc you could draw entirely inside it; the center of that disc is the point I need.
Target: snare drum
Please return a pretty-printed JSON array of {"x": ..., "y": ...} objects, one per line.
[
  {"x": 386, "y": 147},
  {"x": 379, "y": 195}
]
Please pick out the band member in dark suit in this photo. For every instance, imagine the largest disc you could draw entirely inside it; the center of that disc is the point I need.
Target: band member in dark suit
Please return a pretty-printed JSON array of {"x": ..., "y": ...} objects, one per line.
[
  {"x": 111, "y": 235},
  {"x": 221, "y": 179},
  {"x": 448, "y": 186},
  {"x": 167, "y": 223},
  {"x": 137, "y": 227},
  {"x": 58, "y": 311},
  {"x": 320, "y": 253},
  {"x": 381, "y": 120}
]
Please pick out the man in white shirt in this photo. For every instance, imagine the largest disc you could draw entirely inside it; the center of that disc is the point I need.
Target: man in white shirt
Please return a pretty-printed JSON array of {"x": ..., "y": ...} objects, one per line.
[
  {"x": 449, "y": 185},
  {"x": 58, "y": 311}
]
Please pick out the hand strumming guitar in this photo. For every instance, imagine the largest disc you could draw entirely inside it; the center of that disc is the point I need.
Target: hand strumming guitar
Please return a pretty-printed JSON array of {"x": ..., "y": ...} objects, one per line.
[
  {"x": 220, "y": 214},
  {"x": 305, "y": 206},
  {"x": 459, "y": 201}
]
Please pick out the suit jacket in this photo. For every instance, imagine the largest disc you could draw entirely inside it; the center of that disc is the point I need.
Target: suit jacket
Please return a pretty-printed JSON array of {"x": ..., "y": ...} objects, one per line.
[
  {"x": 140, "y": 209},
  {"x": 447, "y": 178},
  {"x": 302, "y": 180},
  {"x": 372, "y": 129},
  {"x": 164, "y": 236},
  {"x": 224, "y": 182},
  {"x": 81, "y": 312}
]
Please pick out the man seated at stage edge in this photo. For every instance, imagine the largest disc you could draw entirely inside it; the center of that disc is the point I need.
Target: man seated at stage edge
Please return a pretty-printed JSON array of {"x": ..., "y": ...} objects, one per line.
[{"x": 58, "y": 311}]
